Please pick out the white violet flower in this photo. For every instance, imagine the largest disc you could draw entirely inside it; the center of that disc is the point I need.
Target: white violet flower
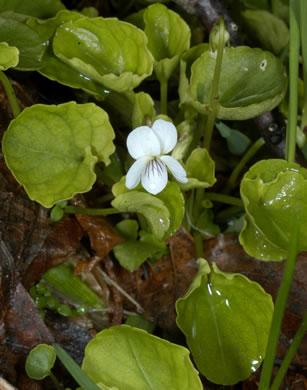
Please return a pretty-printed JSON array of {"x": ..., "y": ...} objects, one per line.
[{"x": 149, "y": 146}]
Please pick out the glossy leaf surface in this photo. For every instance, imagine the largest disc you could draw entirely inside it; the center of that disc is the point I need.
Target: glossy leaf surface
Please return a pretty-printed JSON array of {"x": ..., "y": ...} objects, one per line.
[
  {"x": 9, "y": 56},
  {"x": 52, "y": 150},
  {"x": 130, "y": 358},
  {"x": 163, "y": 212},
  {"x": 273, "y": 191},
  {"x": 252, "y": 81},
  {"x": 15, "y": 32},
  {"x": 51, "y": 66},
  {"x": 168, "y": 37},
  {"x": 108, "y": 51},
  {"x": 226, "y": 320}
]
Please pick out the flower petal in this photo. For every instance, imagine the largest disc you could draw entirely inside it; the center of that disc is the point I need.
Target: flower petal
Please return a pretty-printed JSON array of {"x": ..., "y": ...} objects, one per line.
[
  {"x": 176, "y": 168},
  {"x": 154, "y": 178},
  {"x": 134, "y": 173},
  {"x": 166, "y": 133},
  {"x": 142, "y": 141}
]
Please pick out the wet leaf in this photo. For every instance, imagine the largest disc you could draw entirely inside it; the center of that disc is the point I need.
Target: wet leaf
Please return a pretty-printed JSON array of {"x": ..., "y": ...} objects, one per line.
[
  {"x": 200, "y": 170},
  {"x": 40, "y": 361},
  {"x": 273, "y": 191},
  {"x": 122, "y": 59},
  {"x": 52, "y": 150},
  {"x": 16, "y": 33},
  {"x": 129, "y": 359},
  {"x": 252, "y": 81},
  {"x": 163, "y": 212},
  {"x": 168, "y": 37},
  {"x": 9, "y": 56},
  {"x": 226, "y": 319},
  {"x": 51, "y": 66},
  {"x": 40, "y": 8}
]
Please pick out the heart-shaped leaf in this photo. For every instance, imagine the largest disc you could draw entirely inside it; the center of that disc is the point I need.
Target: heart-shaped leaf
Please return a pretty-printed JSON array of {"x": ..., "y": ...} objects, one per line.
[
  {"x": 108, "y": 51},
  {"x": 226, "y": 320},
  {"x": 52, "y": 150},
  {"x": 9, "y": 56},
  {"x": 273, "y": 191},
  {"x": 252, "y": 81},
  {"x": 130, "y": 359}
]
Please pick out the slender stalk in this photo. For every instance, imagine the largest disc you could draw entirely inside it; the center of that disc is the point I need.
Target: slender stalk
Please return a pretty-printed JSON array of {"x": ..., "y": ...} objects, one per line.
[
  {"x": 214, "y": 97},
  {"x": 55, "y": 381},
  {"x": 246, "y": 157},
  {"x": 290, "y": 354},
  {"x": 122, "y": 291},
  {"x": 223, "y": 198},
  {"x": 10, "y": 94},
  {"x": 293, "y": 77},
  {"x": 201, "y": 124},
  {"x": 198, "y": 242},
  {"x": 163, "y": 96},
  {"x": 280, "y": 305},
  {"x": 303, "y": 31},
  {"x": 81, "y": 210}
]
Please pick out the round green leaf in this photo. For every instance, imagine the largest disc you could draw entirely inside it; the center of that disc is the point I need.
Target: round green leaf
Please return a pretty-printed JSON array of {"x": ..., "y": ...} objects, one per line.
[
  {"x": 252, "y": 81},
  {"x": 52, "y": 150},
  {"x": 200, "y": 170},
  {"x": 273, "y": 191},
  {"x": 168, "y": 37},
  {"x": 132, "y": 359},
  {"x": 40, "y": 361},
  {"x": 108, "y": 51},
  {"x": 226, "y": 320},
  {"x": 9, "y": 56}
]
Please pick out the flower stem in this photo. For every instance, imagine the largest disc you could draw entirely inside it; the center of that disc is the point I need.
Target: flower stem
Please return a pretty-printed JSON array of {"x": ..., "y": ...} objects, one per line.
[
  {"x": 55, "y": 381},
  {"x": 293, "y": 77},
  {"x": 87, "y": 211},
  {"x": 223, "y": 198},
  {"x": 198, "y": 242},
  {"x": 10, "y": 94},
  {"x": 290, "y": 354},
  {"x": 303, "y": 31},
  {"x": 163, "y": 96},
  {"x": 280, "y": 305},
  {"x": 214, "y": 97},
  {"x": 201, "y": 124},
  {"x": 246, "y": 157}
]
